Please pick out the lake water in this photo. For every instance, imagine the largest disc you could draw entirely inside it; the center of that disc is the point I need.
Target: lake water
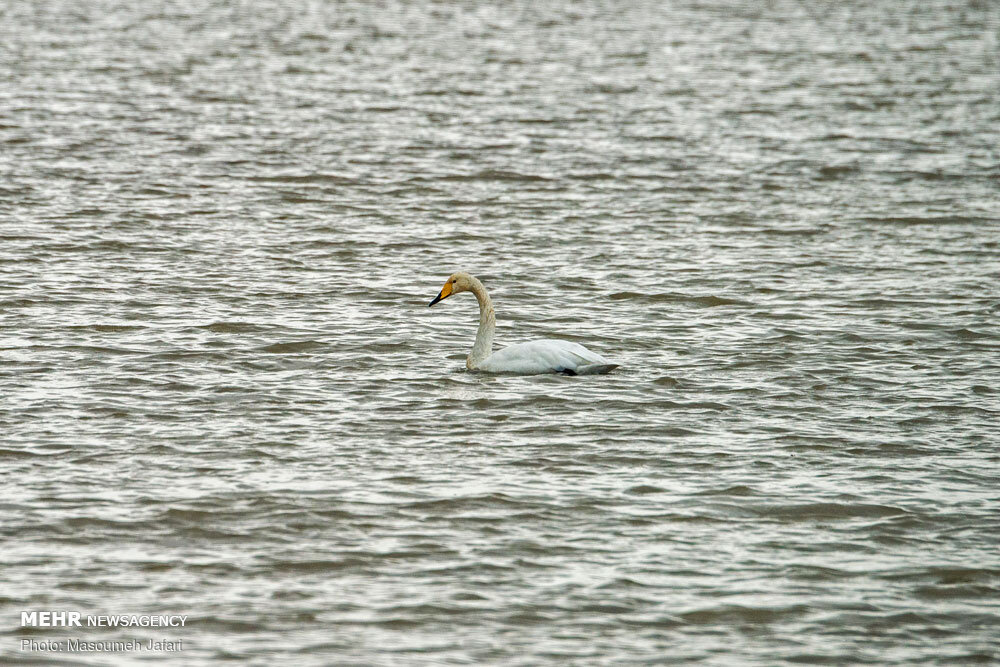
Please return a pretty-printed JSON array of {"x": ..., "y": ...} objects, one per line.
[{"x": 222, "y": 394}]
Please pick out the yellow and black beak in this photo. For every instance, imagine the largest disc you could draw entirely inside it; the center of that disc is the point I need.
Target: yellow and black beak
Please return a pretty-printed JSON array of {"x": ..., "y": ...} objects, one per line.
[{"x": 443, "y": 294}]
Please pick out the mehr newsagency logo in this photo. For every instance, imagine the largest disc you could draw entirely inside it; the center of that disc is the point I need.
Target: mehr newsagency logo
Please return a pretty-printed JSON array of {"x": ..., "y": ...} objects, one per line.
[{"x": 74, "y": 619}]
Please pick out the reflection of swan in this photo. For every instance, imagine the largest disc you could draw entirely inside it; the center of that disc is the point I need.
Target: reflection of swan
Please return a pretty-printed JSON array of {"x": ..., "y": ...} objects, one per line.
[{"x": 538, "y": 356}]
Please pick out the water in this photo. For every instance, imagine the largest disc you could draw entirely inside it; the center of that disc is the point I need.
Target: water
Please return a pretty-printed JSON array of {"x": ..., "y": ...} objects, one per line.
[{"x": 223, "y": 394}]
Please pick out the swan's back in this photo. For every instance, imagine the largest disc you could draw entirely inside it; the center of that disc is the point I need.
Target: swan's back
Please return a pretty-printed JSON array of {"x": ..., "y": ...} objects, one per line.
[{"x": 546, "y": 356}]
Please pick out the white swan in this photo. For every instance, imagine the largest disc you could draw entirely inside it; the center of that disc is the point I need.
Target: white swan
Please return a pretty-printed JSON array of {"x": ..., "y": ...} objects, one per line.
[{"x": 538, "y": 356}]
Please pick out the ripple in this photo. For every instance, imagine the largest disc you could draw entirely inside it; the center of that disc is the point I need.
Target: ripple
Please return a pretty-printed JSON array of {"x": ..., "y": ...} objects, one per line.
[
  {"x": 233, "y": 327},
  {"x": 706, "y": 301},
  {"x": 293, "y": 348}
]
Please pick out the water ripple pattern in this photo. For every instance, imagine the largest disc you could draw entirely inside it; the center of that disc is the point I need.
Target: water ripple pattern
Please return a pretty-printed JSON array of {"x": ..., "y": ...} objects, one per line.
[{"x": 222, "y": 394}]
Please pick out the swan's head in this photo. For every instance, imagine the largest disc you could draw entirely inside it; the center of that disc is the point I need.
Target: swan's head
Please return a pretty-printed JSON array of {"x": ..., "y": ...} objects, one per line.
[{"x": 457, "y": 282}]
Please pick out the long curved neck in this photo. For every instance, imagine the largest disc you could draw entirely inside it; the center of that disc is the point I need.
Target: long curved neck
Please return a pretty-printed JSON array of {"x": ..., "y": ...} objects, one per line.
[{"x": 487, "y": 324}]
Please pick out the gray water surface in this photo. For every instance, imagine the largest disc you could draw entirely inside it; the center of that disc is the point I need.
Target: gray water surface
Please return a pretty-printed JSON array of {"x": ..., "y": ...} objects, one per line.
[{"x": 222, "y": 394}]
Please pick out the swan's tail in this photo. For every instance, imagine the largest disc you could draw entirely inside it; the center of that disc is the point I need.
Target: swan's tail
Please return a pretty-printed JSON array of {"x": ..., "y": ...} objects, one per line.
[{"x": 595, "y": 369}]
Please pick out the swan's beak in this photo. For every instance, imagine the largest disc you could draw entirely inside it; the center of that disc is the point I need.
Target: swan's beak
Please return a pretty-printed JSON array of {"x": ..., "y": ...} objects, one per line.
[{"x": 443, "y": 294}]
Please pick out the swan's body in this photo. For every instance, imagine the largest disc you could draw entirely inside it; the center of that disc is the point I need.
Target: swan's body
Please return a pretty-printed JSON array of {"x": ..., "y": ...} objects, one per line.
[
  {"x": 545, "y": 356},
  {"x": 538, "y": 356}
]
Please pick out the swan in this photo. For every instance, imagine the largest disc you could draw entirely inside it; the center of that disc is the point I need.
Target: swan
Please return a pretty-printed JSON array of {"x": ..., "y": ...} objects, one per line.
[{"x": 537, "y": 356}]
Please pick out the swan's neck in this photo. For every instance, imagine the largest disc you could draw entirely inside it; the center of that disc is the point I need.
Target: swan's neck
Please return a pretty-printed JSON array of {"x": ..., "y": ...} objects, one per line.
[{"x": 487, "y": 324}]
